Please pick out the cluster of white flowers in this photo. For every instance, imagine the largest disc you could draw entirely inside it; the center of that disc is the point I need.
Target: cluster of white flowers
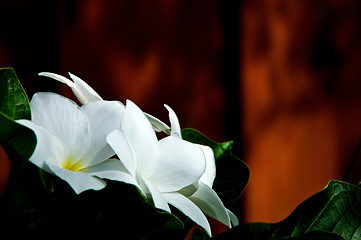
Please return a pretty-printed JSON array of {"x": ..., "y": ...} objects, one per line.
[{"x": 77, "y": 144}]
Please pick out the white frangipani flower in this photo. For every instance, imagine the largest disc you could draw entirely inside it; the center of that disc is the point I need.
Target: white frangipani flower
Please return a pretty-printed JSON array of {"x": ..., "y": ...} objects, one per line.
[
  {"x": 71, "y": 141},
  {"x": 169, "y": 171},
  {"x": 203, "y": 195},
  {"x": 160, "y": 169},
  {"x": 84, "y": 93}
]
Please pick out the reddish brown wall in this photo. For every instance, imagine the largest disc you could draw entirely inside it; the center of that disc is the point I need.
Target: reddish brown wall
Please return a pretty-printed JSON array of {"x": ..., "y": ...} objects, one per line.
[{"x": 301, "y": 94}]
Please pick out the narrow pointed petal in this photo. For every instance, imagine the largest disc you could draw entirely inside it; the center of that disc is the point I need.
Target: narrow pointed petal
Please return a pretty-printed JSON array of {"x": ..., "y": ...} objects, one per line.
[
  {"x": 121, "y": 146},
  {"x": 180, "y": 164},
  {"x": 175, "y": 126},
  {"x": 157, "y": 124},
  {"x": 48, "y": 148},
  {"x": 234, "y": 219},
  {"x": 142, "y": 138},
  {"x": 189, "y": 209},
  {"x": 157, "y": 197},
  {"x": 79, "y": 181},
  {"x": 63, "y": 118},
  {"x": 103, "y": 117},
  {"x": 209, "y": 202},
  {"x": 210, "y": 171},
  {"x": 112, "y": 169},
  {"x": 58, "y": 78},
  {"x": 83, "y": 91}
]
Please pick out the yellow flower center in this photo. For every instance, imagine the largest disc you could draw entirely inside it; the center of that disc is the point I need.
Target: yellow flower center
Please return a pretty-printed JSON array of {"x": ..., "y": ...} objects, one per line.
[{"x": 71, "y": 165}]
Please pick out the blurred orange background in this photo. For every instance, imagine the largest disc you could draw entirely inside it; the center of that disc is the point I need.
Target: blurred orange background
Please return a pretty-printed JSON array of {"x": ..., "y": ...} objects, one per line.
[{"x": 280, "y": 78}]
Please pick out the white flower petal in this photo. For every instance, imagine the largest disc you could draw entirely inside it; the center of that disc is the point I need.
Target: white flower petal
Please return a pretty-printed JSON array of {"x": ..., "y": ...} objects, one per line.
[
  {"x": 112, "y": 169},
  {"x": 209, "y": 202},
  {"x": 234, "y": 219},
  {"x": 83, "y": 91},
  {"x": 175, "y": 126},
  {"x": 142, "y": 138},
  {"x": 180, "y": 164},
  {"x": 157, "y": 124},
  {"x": 189, "y": 190},
  {"x": 58, "y": 78},
  {"x": 121, "y": 146},
  {"x": 48, "y": 148},
  {"x": 189, "y": 209},
  {"x": 210, "y": 171},
  {"x": 85, "y": 94},
  {"x": 103, "y": 117},
  {"x": 64, "y": 119},
  {"x": 111, "y": 164},
  {"x": 79, "y": 181},
  {"x": 157, "y": 197}
]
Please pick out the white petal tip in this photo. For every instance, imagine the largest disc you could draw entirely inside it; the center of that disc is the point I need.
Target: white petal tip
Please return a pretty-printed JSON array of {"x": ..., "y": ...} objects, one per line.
[
  {"x": 44, "y": 73},
  {"x": 71, "y": 75},
  {"x": 175, "y": 126},
  {"x": 166, "y": 106}
]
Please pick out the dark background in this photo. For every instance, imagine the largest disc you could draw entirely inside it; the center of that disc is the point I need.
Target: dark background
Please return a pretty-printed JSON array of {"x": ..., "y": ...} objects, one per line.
[{"x": 280, "y": 78}]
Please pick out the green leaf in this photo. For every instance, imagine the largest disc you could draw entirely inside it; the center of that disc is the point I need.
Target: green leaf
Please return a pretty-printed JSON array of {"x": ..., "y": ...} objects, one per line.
[
  {"x": 180, "y": 233},
  {"x": 18, "y": 142},
  {"x": 316, "y": 235},
  {"x": 336, "y": 210},
  {"x": 232, "y": 173},
  {"x": 199, "y": 234},
  {"x": 119, "y": 208},
  {"x": 14, "y": 102}
]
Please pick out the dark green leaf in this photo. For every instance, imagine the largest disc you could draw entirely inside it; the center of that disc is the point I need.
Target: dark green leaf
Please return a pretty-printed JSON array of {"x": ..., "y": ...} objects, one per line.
[
  {"x": 174, "y": 233},
  {"x": 14, "y": 102},
  {"x": 232, "y": 173},
  {"x": 315, "y": 235},
  {"x": 119, "y": 208},
  {"x": 18, "y": 142},
  {"x": 199, "y": 234},
  {"x": 336, "y": 209}
]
